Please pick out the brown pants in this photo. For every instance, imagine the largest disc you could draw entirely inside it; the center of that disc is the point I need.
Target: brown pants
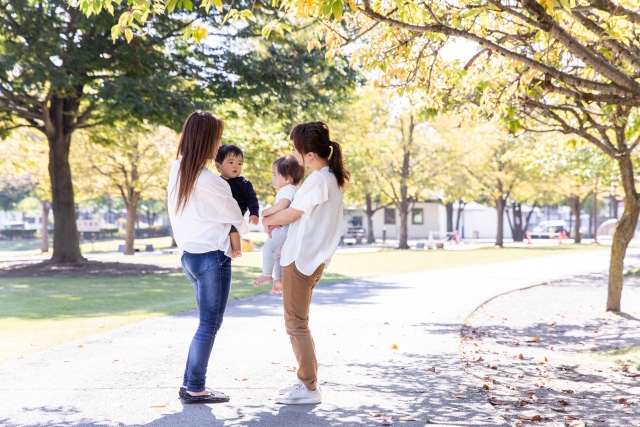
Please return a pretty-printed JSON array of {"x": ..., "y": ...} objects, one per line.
[{"x": 296, "y": 297}]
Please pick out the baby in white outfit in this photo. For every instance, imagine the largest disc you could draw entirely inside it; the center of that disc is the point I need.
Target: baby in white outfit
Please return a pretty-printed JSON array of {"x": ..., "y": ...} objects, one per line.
[{"x": 287, "y": 173}]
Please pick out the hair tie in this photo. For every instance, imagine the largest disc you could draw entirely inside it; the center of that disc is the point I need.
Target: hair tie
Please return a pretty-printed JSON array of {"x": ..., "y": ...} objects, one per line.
[{"x": 331, "y": 151}]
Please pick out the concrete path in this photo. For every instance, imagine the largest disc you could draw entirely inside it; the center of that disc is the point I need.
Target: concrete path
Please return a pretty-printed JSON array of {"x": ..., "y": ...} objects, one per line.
[{"x": 130, "y": 376}]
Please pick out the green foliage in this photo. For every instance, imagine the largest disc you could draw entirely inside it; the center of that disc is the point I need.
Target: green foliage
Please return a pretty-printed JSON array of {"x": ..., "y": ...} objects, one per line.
[{"x": 12, "y": 193}]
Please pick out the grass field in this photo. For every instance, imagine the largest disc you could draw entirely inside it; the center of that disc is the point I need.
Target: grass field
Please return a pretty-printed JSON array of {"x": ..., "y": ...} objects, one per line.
[
  {"x": 390, "y": 261},
  {"x": 39, "y": 313},
  {"x": 32, "y": 246}
]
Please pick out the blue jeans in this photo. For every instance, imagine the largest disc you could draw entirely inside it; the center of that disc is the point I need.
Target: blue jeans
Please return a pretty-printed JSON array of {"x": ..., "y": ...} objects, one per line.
[{"x": 210, "y": 274}]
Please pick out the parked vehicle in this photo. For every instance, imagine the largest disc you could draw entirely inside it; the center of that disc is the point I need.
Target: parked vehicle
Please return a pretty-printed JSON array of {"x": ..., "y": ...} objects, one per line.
[
  {"x": 549, "y": 229},
  {"x": 354, "y": 235}
]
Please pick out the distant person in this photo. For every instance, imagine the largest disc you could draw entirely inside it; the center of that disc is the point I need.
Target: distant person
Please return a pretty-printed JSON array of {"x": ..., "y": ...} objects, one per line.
[
  {"x": 315, "y": 216},
  {"x": 202, "y": 211},
  {"x": 229, "y": 162},
  {"x": 287, "y": 174}
]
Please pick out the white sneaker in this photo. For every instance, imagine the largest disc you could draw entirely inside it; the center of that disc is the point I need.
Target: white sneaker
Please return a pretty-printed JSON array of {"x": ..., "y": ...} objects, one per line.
[
  {"x": 301, "y": 395},
  {"x": 288, "y": 389}
]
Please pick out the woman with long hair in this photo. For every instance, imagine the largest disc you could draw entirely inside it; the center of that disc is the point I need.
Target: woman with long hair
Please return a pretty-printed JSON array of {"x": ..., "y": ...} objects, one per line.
[
  {"x": 202, "y": 211},
  {"x": 315, "y": 215}
]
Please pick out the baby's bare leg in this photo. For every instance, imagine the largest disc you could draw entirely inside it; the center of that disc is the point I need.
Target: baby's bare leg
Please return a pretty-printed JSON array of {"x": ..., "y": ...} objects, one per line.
[
  {"x": 236, "y": 245},
  {"x": 271, "y": 255},
  {"x": 277, "y": 274}
]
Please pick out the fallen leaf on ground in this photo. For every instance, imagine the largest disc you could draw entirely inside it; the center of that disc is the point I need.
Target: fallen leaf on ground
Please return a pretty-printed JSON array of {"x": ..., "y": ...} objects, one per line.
[
  {"x": 275, "y": 363},
  {"x": 293, "y": 369},
  {"x": 533, "y": 339},
  {"x": 622, "y": 400},
  {"x": 80, "y": 346},
  {"x": 244, "y": 379},
  {"x": 567, "y": 391},
  {"x": 520, "y": 356},
  {"x": 160, "y": 405},
  {"x": 460, "y": 397},
  {"x": 486, "y": 386},
  {"x": 432, "y": 369},
  {"x": 394, "y": 346},
  {"x": 563, "y": 402},
  {"x": 480, "y": 359},
  {"x": 386, "y": 323},
  {"x": 536, "y": 418},
  {"x": 378, "y": 415}
]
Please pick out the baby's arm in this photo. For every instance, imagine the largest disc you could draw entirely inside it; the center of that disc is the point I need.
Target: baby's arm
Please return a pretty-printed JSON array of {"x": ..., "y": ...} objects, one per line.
[{"x": 281, "y": 205}]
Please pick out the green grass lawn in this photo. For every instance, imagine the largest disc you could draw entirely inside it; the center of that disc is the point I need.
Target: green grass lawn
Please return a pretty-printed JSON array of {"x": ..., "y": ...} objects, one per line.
[
  {"x": 391, "y": 261},
  {"x": 39, "y": 313},
  {"x": 32, "y": 246}
]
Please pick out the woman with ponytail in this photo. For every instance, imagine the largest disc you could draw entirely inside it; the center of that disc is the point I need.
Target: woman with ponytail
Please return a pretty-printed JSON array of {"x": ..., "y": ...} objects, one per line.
[
  {"x": 315, "y": 216},
  {"x": 202, "y": 211}
]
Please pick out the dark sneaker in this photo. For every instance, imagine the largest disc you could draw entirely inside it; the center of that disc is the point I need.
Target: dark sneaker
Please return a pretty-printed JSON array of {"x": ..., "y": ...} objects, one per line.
[{"x": 214, "y": 396}]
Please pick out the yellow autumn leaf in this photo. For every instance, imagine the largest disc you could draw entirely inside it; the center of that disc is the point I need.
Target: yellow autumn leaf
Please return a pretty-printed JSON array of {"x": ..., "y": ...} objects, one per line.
[{"x": 128, "y": 34}]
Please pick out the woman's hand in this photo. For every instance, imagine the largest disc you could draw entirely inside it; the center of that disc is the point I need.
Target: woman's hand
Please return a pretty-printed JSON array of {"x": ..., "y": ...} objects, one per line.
[{"x": 270, "y": 228}]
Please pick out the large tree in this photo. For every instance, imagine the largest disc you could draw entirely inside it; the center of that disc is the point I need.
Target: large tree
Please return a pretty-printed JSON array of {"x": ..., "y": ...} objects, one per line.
[
  {"x": 60, "y": 71},
  {"x": 543, "y": 65},
  {"x": 128, "y": 160}
]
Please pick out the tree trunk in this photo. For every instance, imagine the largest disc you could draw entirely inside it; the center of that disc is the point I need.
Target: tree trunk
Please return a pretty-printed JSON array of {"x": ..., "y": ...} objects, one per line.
[
  {"x": 528, "y": 218},
  {"x": 132, "y": 218},
  {"x": 595, "y": 215},
  {"x": 66, "y": 246},
  {"x": 518, "y": 233},
  {"x": 403, "y": 206},
  {"x": 404, "y": 226},
  {"x": 500, "y": 204},
  {"x": 449, "y": 208},
  {"x": 44, "y": 246},
  {"x": 576, "y": 206},
  {"x": 370, "y": 236},
  {"x": 461, "y": 206},
  {"x": 625, "y": 229}
]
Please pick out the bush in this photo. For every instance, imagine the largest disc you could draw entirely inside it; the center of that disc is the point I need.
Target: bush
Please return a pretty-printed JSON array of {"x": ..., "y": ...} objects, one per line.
[
  {"x": 17, "y": 234},
  {"x": 152, "y": 232}
]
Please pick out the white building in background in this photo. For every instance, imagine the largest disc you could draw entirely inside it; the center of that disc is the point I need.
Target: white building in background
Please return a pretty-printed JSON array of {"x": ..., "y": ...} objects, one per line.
[{"x": 476, "y": 221}]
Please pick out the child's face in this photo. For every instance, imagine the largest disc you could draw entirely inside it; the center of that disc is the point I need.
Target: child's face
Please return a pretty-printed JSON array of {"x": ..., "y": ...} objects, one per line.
[
  {"x": 278, "y": 180},
  {"x": 231, "y": 167}
]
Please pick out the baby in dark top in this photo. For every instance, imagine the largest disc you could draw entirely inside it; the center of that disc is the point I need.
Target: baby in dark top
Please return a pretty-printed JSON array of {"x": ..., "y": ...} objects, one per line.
[{"x": 229, "y": 163}]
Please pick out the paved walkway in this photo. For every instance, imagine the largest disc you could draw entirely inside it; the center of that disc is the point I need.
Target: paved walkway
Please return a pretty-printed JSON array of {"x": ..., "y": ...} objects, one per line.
[{"x": 130, "y": 376}]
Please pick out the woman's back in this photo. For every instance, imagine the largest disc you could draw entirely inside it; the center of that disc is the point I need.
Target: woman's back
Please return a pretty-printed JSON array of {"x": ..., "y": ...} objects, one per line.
[{"x": 203, "y": 225}]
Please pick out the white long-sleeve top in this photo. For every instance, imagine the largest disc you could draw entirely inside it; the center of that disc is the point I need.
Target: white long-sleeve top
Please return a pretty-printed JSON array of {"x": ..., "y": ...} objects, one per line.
[
  {"x": 313, "y": 238},
  {"x": 204, "y": 224}
]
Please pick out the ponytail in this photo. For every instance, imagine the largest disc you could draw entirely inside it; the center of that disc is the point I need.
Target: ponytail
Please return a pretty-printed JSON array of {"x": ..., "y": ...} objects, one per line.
[
  {"x": 313, "y": 137},
  {"x": 336, "y": 164}
]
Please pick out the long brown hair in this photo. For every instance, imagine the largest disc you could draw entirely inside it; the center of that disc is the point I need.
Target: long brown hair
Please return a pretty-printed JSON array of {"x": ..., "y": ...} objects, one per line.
[
  {"x": 199, "y": 142},
  {"x": 313, "y": 137}
]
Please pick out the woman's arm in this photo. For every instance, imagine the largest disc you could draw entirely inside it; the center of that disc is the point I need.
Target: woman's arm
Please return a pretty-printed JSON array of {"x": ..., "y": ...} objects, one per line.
[
  {"x": 281, "y": 205},
  {"x": 283, "y": 217}
]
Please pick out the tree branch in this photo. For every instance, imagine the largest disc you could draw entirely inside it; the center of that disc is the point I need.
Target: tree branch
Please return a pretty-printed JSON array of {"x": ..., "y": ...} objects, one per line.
[
  {"x": 569, "y": 79},
  {"x": 598, "y": 63}
]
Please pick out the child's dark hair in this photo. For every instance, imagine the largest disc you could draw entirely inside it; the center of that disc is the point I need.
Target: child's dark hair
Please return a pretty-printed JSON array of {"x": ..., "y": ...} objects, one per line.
[
  {"x": 289, "y": 167},
  {"x": 226, "y": 151},
  {"x": 313, "y": 137}
]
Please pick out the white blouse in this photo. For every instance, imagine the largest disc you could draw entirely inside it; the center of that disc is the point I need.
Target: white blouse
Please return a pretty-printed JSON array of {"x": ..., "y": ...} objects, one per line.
[
  {"x": 313, "y": 238},
  {"x": 204, "y": 224},
  {"x": 286, "y": 192}
]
